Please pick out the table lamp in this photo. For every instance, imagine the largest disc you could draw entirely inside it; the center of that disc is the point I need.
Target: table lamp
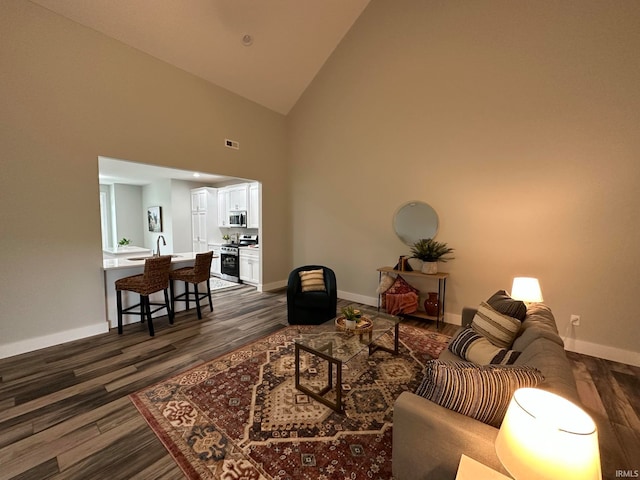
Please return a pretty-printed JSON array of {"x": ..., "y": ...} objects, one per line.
[
  {"x": 546, "y": 437},
  {"x": 526, "y": 289}
]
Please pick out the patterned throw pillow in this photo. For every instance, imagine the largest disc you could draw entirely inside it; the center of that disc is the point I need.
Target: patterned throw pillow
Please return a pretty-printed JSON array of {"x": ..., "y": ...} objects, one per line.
[
  {"x": 480, "y": 392},
  {"x": 400, "y": 285},
  {"x": 312, "y": 281},
  {"x": 477, "y": 349},
  {"x": 386, "y": 281},
  {"x": 499, "y": 329},
  {"x": 503, "y": 303}
]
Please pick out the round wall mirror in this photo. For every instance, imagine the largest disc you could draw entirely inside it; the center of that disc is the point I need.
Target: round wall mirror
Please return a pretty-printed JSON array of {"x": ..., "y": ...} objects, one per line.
[{"x": 414, "y": 221}]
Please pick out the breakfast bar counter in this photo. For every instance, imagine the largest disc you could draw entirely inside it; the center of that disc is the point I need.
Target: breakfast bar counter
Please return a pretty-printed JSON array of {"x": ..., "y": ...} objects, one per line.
[{"x": 116, "y": 268}]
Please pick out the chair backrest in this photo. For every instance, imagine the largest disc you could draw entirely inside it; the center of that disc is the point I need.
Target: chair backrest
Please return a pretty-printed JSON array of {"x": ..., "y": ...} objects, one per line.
[
  {"x": 294, "y": 284},
  {"x": 202, "y": 266},
  {"x": 156, "y": 273}
]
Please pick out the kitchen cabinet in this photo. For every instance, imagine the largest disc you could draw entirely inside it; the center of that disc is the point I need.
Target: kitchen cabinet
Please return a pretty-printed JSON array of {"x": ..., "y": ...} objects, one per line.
[
  {"x": 223, "y": 211},
  {"x": 234, "y": 198},
  {"x": 199, "y": 200},
  {"x": 204, "y": 213},
  {"x": 215, "y": 262},
  {"x": 250, "y": 265},
  {"x": 199, "y": 231},
  {"x": 253, "y": 212},
  {"x": 238, "y": 199}
]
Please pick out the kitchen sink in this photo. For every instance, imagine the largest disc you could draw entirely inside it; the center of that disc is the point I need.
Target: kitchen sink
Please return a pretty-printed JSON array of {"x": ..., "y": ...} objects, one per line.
[{"x": 135, "y": 259}]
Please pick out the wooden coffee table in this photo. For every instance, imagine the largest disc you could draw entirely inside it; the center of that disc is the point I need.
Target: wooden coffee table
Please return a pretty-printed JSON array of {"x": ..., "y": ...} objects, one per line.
[{"x": 335, "y": 345}]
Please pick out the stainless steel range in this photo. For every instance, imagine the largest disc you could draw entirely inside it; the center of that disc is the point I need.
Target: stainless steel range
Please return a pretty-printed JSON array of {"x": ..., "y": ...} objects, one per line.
[{"x": 230, "y": 257}]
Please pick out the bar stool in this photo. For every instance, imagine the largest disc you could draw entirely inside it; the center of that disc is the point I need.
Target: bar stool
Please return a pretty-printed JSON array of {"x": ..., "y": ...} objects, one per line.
[
  {"x": 154, "y": 278},
  {"x": 200, "y": 272}
]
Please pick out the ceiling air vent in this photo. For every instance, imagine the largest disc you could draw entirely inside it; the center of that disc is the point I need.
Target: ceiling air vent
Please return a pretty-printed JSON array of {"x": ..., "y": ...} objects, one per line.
[{"x": 231, "y": 144}]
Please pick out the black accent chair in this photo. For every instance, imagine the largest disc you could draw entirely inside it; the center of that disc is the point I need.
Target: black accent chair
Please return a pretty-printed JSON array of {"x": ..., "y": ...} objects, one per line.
[{"x": 311, "y": 308}]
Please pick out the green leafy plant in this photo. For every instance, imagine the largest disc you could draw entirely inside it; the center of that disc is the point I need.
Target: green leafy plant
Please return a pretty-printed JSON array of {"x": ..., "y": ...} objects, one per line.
[
  {"x": 428, "y": 250},
  {"x": 351, "y": 313},
  {"x": 124, "y": 241}
]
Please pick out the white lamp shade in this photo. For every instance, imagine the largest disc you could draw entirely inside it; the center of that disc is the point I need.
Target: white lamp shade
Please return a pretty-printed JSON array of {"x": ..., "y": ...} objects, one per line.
[
  {"x": 546, "y": 437},
  {"x": 526, "y": 289}
]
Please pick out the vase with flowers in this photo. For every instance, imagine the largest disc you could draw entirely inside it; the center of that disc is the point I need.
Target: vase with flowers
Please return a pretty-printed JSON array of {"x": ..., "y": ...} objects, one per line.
[{"x": 351, "y": 317}]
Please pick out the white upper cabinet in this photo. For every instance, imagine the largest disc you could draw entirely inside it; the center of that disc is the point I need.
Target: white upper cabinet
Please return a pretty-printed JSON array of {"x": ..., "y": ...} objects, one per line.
[
  {"x": 199, "y": 200},
  {"x": 223, "y": 211},
  {"x": 253, "y": 212},
  {"x": 238, "y": 197}
]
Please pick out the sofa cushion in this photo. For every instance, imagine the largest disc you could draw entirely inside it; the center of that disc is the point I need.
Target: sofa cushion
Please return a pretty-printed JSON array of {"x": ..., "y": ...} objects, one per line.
[
  {"x": 471, "y": 346},
  {"x": 503, "y": 303},
  {"x": 480, "y": 392},
  {"x": 312, "y": 280},
  {"x": 496, "y": 327}
]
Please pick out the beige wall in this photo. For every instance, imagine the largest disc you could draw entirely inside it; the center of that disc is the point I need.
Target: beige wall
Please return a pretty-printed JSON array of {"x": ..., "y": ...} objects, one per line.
[
  {"x": 69, "y": 94},
  {"x": 517, "y": 121}
]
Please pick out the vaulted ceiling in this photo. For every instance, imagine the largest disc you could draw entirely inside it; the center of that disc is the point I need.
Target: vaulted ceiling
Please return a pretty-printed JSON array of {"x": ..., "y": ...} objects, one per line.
[{"x": 265, "y": 50}]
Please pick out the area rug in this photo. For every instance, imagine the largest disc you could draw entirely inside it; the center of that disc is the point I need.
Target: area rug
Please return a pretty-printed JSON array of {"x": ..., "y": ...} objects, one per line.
[
  {"x": 220, "y": 284},
  {"x": 241, "y": 417}
]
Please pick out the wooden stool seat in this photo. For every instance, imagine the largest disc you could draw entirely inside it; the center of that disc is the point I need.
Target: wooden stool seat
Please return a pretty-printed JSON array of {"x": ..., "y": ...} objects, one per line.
[
  {"x": 154, "y": 278},
  {"x": 200, "y": 272}
]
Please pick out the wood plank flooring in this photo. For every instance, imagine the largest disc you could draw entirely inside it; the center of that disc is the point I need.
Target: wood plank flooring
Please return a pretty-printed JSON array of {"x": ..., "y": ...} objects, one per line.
[{"x": 65, "y": 412}]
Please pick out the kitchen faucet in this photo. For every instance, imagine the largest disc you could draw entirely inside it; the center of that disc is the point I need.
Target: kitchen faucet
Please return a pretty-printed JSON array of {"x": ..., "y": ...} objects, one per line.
[{"x": 164, "y": 242}]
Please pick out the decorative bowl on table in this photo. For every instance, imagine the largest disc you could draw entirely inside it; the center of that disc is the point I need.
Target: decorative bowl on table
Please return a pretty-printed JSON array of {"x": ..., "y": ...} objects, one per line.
[{"x": 364, "y": 325}]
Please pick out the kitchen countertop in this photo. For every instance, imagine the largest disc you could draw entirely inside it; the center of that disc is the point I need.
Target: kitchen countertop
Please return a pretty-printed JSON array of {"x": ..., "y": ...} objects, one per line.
[
  {"x": 127, "y": 250},
  {"x": 124, "y": 262}
]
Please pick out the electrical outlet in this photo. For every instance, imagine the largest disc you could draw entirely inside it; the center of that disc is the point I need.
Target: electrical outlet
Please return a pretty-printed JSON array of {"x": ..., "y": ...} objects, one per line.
[{"x": 575, "y": 320}]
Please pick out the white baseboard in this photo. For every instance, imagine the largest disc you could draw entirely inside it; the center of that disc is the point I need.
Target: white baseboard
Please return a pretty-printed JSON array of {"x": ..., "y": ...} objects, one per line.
[
  {"x": 355, "y": 297},
  {"x": 17, "y": 348},
  {"x": 602, "y": 351},
  {"x": 269, "y": 287}
]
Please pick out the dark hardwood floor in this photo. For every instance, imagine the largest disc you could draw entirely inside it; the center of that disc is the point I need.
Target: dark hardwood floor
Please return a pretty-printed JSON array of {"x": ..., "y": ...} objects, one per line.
[{"x": 65, "y": 412}]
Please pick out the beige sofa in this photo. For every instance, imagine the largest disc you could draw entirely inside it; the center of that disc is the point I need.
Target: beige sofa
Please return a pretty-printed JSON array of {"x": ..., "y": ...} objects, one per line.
[{"x": 428, "y": 439}]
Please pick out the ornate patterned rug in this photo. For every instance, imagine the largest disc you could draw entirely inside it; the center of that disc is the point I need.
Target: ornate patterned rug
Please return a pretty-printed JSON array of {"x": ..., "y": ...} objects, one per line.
[{"x": 240, "y": 417}]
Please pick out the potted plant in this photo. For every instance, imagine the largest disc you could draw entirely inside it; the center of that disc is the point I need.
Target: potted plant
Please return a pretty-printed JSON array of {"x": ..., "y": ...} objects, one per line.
[
  {"x": 124, "y": 242},
  {"x": 351, "y": 317},
  {"x": 431, "y": 252}
]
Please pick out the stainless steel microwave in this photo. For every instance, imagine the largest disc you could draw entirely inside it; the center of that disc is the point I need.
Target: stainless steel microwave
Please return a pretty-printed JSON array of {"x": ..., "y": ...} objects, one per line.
[{"x": 238, "y": 219}]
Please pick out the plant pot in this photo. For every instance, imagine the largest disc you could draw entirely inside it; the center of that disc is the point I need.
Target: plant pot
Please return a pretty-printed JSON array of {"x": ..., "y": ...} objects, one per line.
[
  {"x": 349, "y": 324},
  {"x": 430, "y": 267},
  {"x": 431, "y": 306}
]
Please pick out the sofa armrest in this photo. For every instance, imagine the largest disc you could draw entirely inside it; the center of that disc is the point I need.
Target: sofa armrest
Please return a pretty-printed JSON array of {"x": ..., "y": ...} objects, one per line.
[{"x": 428, "y": 440}]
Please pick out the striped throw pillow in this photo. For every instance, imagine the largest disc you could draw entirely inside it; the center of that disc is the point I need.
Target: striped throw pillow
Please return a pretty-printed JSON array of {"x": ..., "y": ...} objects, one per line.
[
  {"x": 480, "y": 392},
  {"x": 312, "y": 281},
  {"x": 477, "y": 349},
  {"x": 499, "y": 329}
]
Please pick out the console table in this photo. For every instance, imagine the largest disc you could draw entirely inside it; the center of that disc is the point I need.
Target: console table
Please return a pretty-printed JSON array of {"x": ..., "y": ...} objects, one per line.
[{"x": 441, "y": 277}]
